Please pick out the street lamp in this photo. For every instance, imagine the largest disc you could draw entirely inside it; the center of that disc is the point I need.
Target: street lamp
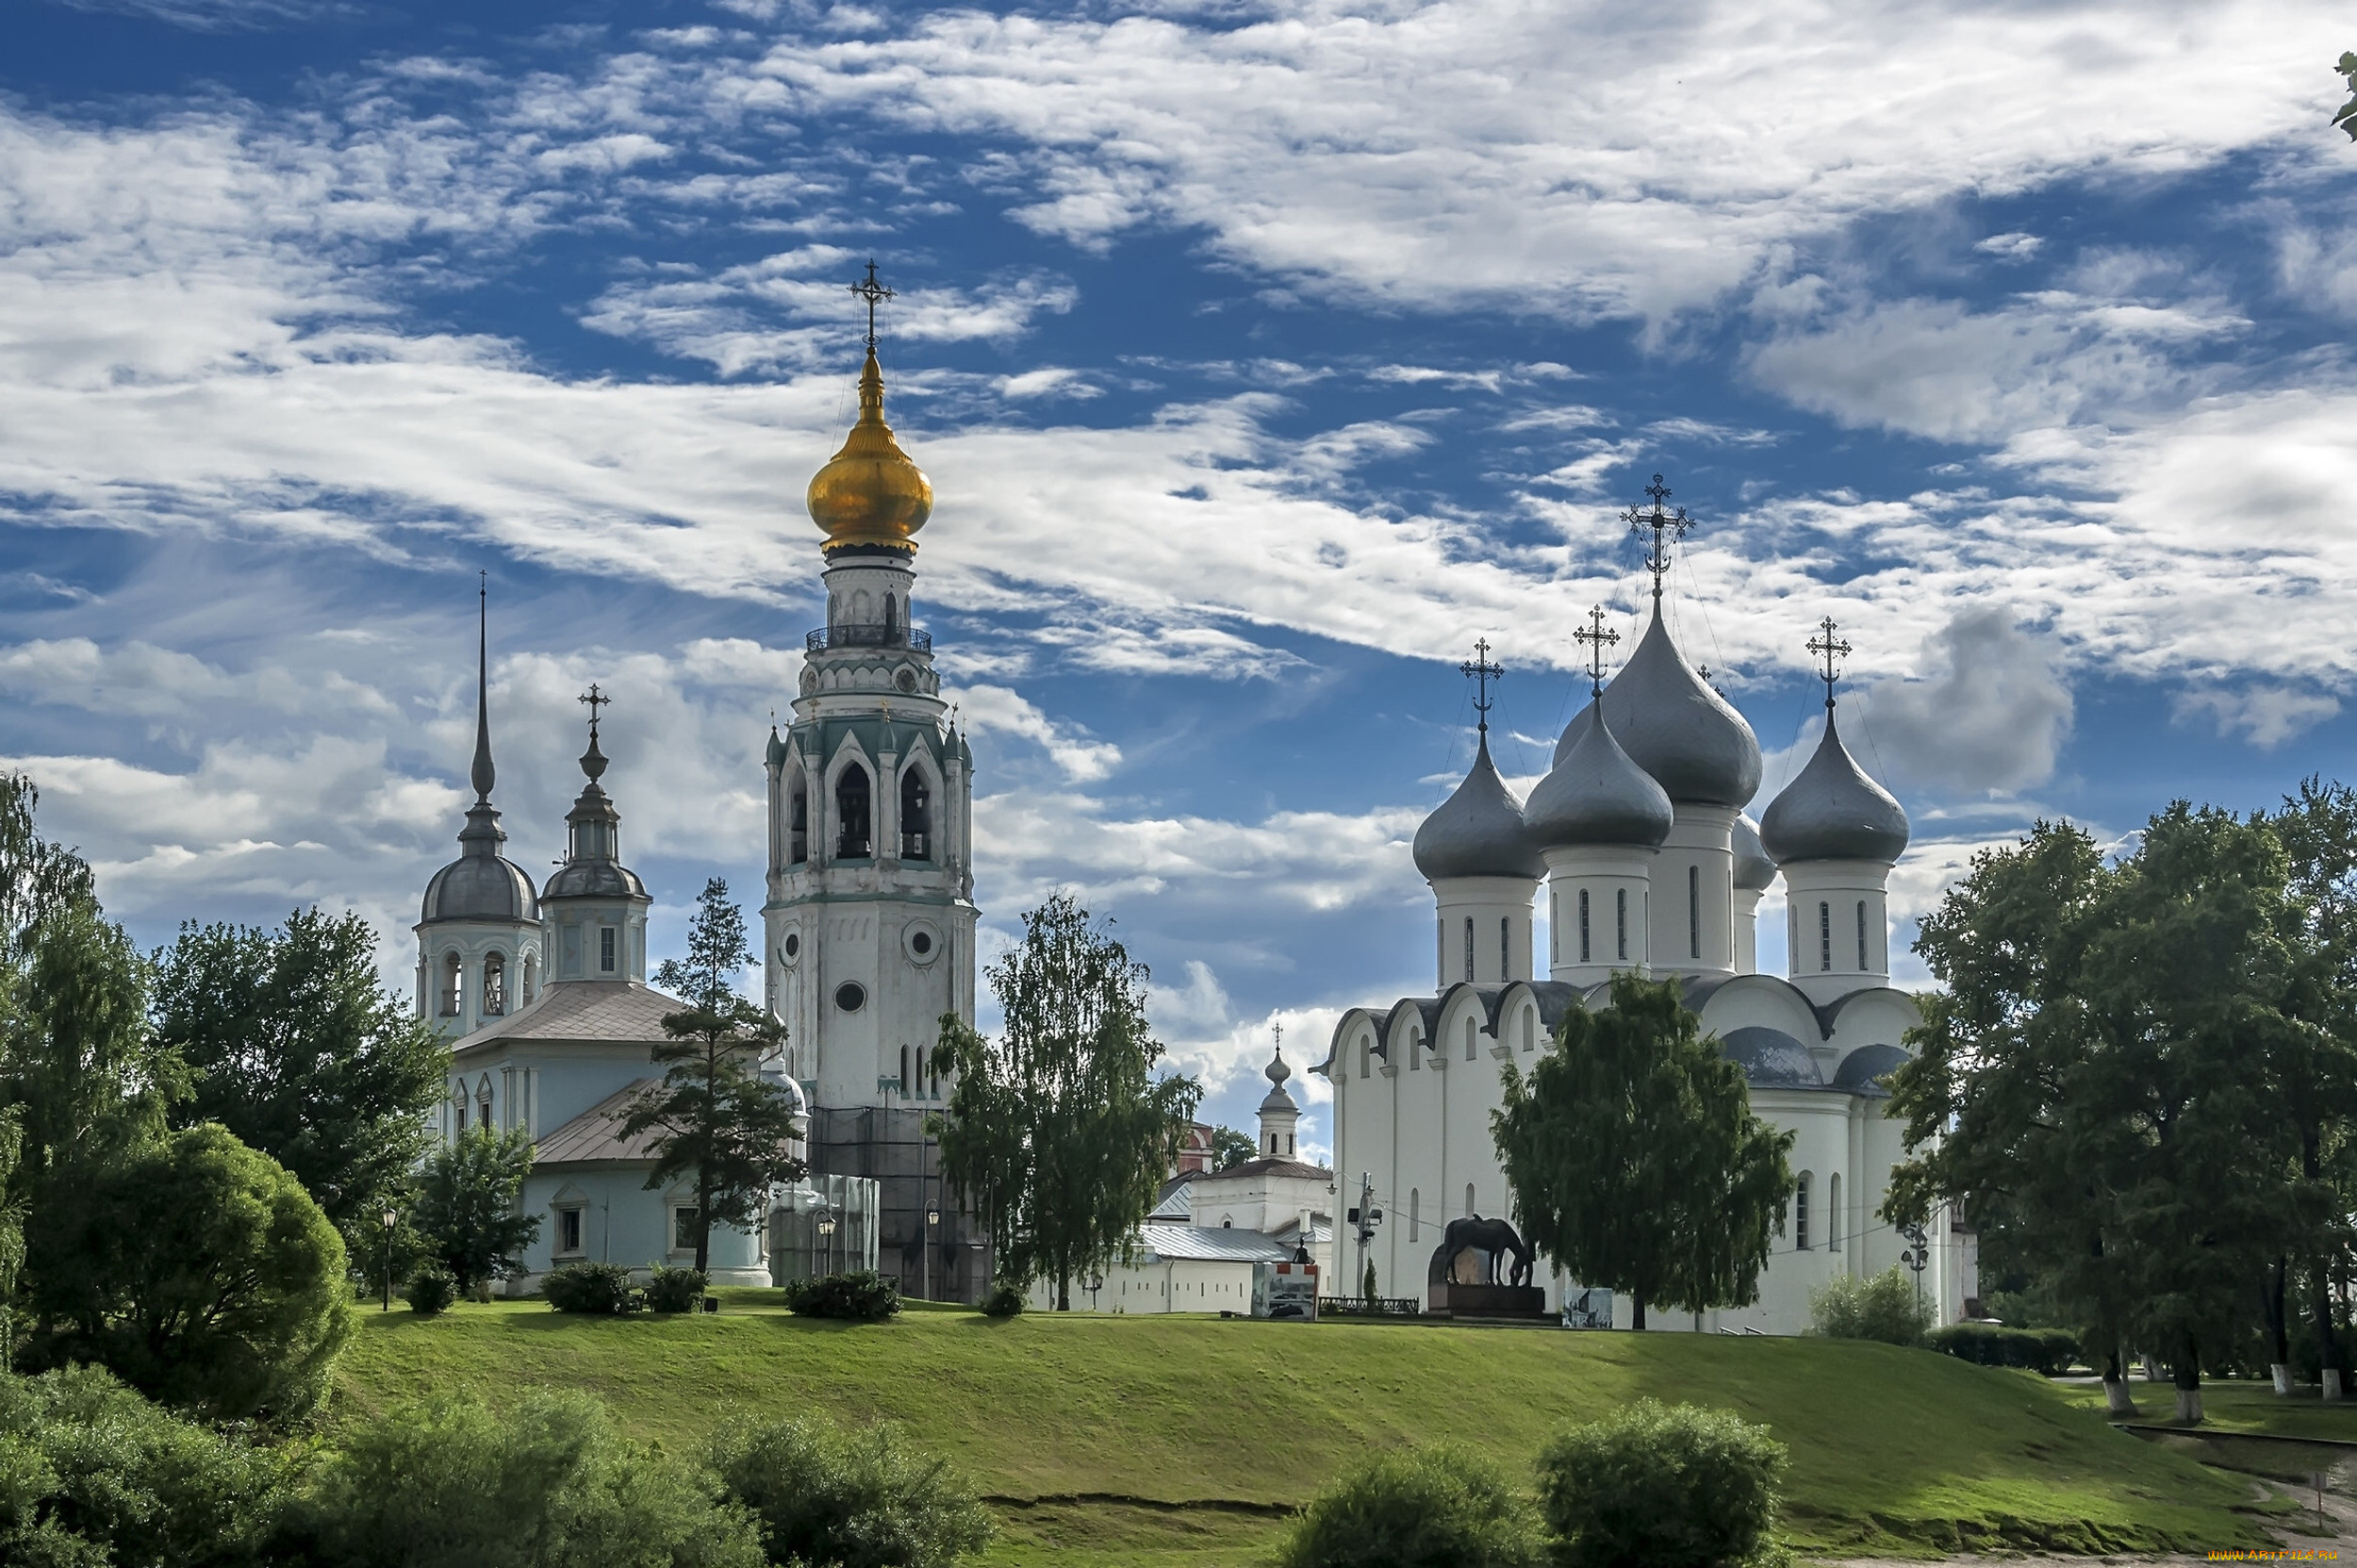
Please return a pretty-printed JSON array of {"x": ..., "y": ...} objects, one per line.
[
  {"x": 826, "y": 1238},
  {"x": 391, "y": 1219},
  {"x": 932, "y": 1229},
  {"x": 1096, "y": 1283},
  {"x": 1919, "y": 1253}
]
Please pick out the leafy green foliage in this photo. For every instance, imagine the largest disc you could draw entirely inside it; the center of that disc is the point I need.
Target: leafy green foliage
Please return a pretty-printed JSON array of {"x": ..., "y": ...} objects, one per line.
[
  {"x": 831, "y": 1498},
  {"x": 861, "y": 1294},
  {"x": 587, "y": 1288},
  {"x": 674, "y": 1290},
  {"x": 546, "y": 1484},
  {"x": 1004, "y": 1300},
  {"x": 1059, "y": 1133},
  {"x": 201, "y": 1272},
  {"x": 1634, "y": 1158},
  {"x": 466, "y": 1204},
  {"x": 296, "y": 1048},
  {"x": 1662, "y": 1486},
  {"x": 717, "y": 1119},
  {"x": 2346, "y": 116},
  {"x": 1888, "y": 1307},
  {"x": 1232, "y": 1147},
  {"x": 431, "y": 1289},
  {"x": 2046, "y": 1351},
  {"x": 1443, "y": 1506},
  {"x": 91, "y": 1473}
]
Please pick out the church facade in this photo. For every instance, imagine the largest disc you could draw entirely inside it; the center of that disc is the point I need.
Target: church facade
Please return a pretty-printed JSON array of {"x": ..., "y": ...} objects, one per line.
[{"x": 1638, "y": 844}]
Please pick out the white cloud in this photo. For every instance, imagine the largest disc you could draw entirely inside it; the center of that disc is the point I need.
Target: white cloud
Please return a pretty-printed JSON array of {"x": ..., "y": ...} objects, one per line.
[
  {"x": 992, "y": 710},
  {"x": 2267, "y": 715},
  {"x": 2010, "y": 247},
  {"x": 1987, "y": 711}
]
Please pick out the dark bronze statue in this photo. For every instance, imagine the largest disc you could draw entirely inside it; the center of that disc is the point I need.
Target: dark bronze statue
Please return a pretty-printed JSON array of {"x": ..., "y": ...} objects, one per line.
[{"x": 1493, "y": 1239}]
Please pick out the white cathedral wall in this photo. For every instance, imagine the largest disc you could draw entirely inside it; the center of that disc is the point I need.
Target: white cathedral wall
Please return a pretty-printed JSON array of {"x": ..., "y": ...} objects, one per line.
[
  {"x": 846, "y": 1056},
  {"x": 473, "y": 944},
  {"x": 1823, "y": 925},
  {"x": 1605, "y": 874},
  {"x": 1157, "y": 1285},
  {"x": 1495, "y": 910},
  {"x": 1693, "y": 894}
]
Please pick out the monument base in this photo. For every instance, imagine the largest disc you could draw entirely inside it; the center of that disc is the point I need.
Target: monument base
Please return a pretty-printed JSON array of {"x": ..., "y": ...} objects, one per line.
[{"x": 1489, "y": 1300}]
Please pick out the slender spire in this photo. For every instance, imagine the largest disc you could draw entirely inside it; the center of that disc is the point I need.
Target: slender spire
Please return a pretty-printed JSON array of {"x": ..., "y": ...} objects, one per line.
[
  {"x": 1480, "y": 671},
  {"x": 593, "y": 760},
  {"x": 1667, "y": 528},
  {"x": 484, "y": 773},
  {"x": 1597, "y": 639},
  {"x": 1832, "y": 647}
]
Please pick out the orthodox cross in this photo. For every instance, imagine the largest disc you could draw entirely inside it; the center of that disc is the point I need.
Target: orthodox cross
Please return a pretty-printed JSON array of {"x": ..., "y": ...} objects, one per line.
[
  {"x": 1481, "y": 672},
  {"x": 1597, "y": 639},
  {"x": 1666, "y": 527},
  {"x": 874, "y": 293},
  {"x": 1832, "y": 647},
  {"x": 1280, "y": 1038},
  {"x": 596, "y": 700}
]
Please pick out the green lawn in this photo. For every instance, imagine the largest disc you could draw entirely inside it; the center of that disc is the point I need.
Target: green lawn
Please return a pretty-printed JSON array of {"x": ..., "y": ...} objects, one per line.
[
  {"x": 1178, "y": 1441},
  {"x": 2235, "y": 1406}
]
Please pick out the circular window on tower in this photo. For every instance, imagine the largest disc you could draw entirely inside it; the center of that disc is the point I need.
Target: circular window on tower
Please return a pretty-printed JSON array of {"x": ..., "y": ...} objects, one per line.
[
  {"x": 851, "y": 996},
  {"x": 791, "y": 949},
  {"x": 906, "y": 679},
  {"x": 921, "y": 941}
]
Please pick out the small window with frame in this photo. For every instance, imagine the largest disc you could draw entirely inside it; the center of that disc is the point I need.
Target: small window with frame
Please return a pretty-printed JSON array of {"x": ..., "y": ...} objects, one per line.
[
  {"x": 567, "y": 1232},
  {"x": 683, "y": 1230}
]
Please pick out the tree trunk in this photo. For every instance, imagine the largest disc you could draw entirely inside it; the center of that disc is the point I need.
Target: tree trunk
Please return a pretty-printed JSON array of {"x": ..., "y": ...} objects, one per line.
[
  {"x": 2188, "y": 1371},
  {"x": 1063, "y": 1293},
  {"x": 703, "y": 1228},
  {"x": 2273, "y": 1290},
  {"x": 2320, "y": 1307},
  {"x": 2116, "y": 1396},
  {"x": 1637, "y": 1321}
]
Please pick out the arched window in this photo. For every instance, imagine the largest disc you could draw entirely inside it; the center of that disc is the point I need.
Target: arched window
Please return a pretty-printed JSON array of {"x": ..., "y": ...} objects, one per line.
[
  {"x": 1861, "y": 935},
  {"x": 483, "y": 1104},
  {"x": 892, "y": 616},
  {"x": 1469, "y": 972},
  {"x": 1366, "y": 1058},
  {"x": 1619, "y": 917},
  {"x": 1471, "y": 1027},
  {"x": 916, "y": 818},
  {"x": 1289, "y": 1143},
  {"x": 1833, "y": 1212},
  {"x": 852, "y": 839},
  {"x": 1415, "y": 1052},
  {"x": 798, "y": 822},
  {"x": 1415, "y": 1213},
  {"x": 1694, "y": 911},
  {"x": 531, "y": 977},
  {"x": 1800, "y": 1212},
  {"x": 454, "y": 985},
  {"x": 904, "y": 1072},
  {"x": 1825, "y": 936},
  {"x": 1583, "y": 926},
  {"x": 1505, "y": 948},
  {"x": 1530, "y": 1030},
  {"x": 1469, "y": 1200},
  {"x": 495, "y": 986}
]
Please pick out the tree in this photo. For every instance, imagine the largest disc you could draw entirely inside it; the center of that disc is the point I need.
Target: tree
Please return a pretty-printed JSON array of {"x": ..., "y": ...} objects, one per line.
[
  {"x": 2346, "y": 116},
  {"x": 295, "y": 1046},
  {"x": 467, "y": 1204},
  {"x": 200, "y": 1272},
  {"x": 717, "y": 1119},
  {"x": 1232, "y": 1147},
  {"x": 1634, "y": 1158},
  {"x": 1060, "y": 1134}
]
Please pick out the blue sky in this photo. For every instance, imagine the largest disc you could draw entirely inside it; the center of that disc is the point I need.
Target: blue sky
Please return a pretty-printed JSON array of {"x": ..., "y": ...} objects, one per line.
[{"x": 1262, "y": 354}]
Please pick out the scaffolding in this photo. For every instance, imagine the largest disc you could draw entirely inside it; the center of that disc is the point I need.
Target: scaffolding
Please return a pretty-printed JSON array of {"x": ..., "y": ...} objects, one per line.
[
  {"x": 825, "y": 1225},
  {"x": 888, "y": 1147}
]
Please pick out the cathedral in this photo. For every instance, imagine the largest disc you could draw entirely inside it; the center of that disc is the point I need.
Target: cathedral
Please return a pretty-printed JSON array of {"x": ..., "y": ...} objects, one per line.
[{"x": 1638, "y": 843}]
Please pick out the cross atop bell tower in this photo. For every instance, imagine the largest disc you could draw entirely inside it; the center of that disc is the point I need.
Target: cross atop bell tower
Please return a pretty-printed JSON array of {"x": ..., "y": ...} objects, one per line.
[
  {"x": 1480, "y": 671},
  {"x": 1832, "y": 647},
  {"x": 875, "y": 293},
  {"x": 1667, "y": 528},
  {"x": 1597, "y": 639}
]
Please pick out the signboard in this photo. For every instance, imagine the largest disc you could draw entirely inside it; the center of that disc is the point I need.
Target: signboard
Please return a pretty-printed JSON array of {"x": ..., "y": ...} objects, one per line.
[{"x": 1287, "y": 1291}]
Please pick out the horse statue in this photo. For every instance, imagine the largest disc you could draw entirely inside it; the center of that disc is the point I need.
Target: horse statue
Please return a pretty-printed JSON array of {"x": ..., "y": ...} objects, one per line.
[{"x": 1492, "y": 1239}]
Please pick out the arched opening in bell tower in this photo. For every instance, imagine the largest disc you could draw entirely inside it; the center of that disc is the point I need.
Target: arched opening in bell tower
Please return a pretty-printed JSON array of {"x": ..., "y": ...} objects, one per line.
[
  {"x": 916, "y": 837},
  {"x": 853, "y": 840},
  {"x": 798, "y": 822}
]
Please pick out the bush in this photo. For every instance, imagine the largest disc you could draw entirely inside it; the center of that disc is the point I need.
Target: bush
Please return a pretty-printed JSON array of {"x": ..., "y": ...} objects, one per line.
[
  {"x": 1004, "y": 1300},
  {"x": 674, "y": 1290},
  {"x": 1884, "y": 1307},
  {"x": 2045, "y": 1351},
  {"x": 546, "y": 1484},
  {"x": 1435, "y": 1507},
  {"x": 1662, "y": 1487},
  {"x": 863, "y": 1294},
  {"x": 93, "y": 1474},
  {"x": 431, "y": 1289},
  {"x": 587, "y": 1288},
  {"x": 831, "y": 1498},
  {"x": 200, "y": 1272}
]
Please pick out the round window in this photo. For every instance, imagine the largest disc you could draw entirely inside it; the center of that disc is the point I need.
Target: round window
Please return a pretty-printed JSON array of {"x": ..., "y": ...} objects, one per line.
[
  {"x": 793, "y": 949},
  {"x": 851, "y": 996},
  {"x": 905, "y": 680},
  {"x": 920, "y": 941}
]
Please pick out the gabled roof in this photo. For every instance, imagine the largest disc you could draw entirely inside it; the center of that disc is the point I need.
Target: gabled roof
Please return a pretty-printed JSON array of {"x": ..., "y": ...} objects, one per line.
[
  {"x": 596, "y": 1135},
  {"x": 1199, "y": 1243},
  {"x": 1267, "y": 1165},
  {"x": 617, "y": 1010}
]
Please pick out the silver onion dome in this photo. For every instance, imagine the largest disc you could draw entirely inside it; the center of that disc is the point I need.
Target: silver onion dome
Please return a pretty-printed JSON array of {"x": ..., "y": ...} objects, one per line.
[
  {"x": 1478, "y": 830},
  {"x": 1675, "y": 728},
  {"x": 1833, "y": 810},
  {"x": 1755, "y": 869},
  {"x": 1596, "y": 794}
]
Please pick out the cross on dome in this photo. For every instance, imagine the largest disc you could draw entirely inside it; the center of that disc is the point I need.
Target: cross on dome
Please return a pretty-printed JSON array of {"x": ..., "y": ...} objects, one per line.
[
  {"x": 1832, "y": 647},
  {"x": 874, "y": 293},
  {"x": 1598, "y": 639},
  {"x": 596, "y": 700},
  {"x": 1667, "y": 528},
  {"x": 1480, "y": 671}
]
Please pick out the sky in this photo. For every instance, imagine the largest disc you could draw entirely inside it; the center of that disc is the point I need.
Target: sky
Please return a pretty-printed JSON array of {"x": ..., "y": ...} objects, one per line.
[{"x": 1263, "y": 356}]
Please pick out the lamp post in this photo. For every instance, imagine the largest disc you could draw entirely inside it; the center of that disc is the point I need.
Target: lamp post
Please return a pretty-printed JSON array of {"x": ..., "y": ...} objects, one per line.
[
  {"x": 826, "y": 1237},
  {"x": 1096, "y": 1283},
  {"x": 391, "y": 1219},
  {"x": 1918, "y": 1252},
  {"x": 932, "y": 1229}
]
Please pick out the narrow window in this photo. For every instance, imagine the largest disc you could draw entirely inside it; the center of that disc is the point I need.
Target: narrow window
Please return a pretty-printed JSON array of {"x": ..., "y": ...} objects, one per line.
[
  {"x": 916, "y": 837},
  {"x": 1415, "y": 1213},
  {"x": 853, "y": 839},
  {"x": 683, "y": 1230},
  {"x": 1416, "y": 1054},
  {"x": 531, "y": 977},
  {"x": 606, "y": 939},
  {"x": 1861, "y": 934},
  {"x": 452, "y": 986},
  {"x": 1505, "y": 948},
  {"x": 1555, "y": 927},
  {"x": 797, "y": 823},
  {"x": 1583, "y": 925},
  {"x": 1289, "y": 1143},
  {"x": 1439, "y": 949},
  {"x": 495, "y": 986},
  {"x": 569, "y": 1230},
  {"x": 904, "y": 1072},
  {"x": 1530, "y": 1030},
  {"x": 1800, "y": 1212},
  {"x": 1694, "y": 911},
  {"x": 1621, "y": 919},
  {"x": 1366, "y": 1058},
  {"x": 1469, "y": 970},
  {"x": 1825, "y": 936},
  {"x": 1469, "y": 1039},
  {"x": 1469, "y": 1200},
  {"x": 1833, "y": 1212}
]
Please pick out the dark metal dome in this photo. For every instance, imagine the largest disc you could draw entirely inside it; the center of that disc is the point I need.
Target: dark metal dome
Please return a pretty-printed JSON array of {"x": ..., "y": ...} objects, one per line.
[
  {"x": 1833, "y": 810},
  {"x": 1771, "y": 1059},
  {"x": 1477, "y": 832},
  {"x": 1861, "y": 1070},
  {"x": 1753, "y": 869},
  {"x": 1675, "y": 728},
  {"x": 481, "y": 884},
  {"x": 1596, "y": 794},
  {"x": 595, "y": 879}
]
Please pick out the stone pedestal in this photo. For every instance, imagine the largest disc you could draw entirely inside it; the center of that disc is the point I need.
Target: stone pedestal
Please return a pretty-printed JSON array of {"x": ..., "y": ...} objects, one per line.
[{"x": 1489, "y": 1300}]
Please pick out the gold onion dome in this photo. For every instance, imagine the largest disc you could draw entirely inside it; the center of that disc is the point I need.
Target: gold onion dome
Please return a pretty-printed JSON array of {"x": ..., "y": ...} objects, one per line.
[{"x": 869, "y": 493}]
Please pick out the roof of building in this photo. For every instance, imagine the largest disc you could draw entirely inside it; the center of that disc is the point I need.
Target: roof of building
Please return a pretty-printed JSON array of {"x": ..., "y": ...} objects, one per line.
[
  {"x": 1771, "y": 1059},
  {"x": 1267, "y": 1165},
  {"x": 1177, "y": 1204},
  {"x": 1861, "y": 1072},
  {"x": 1596, "y": 794},
  {"x": 1676, "y": 728},
  {"x": 617, "y": 1010},
  {"x": 596, "y": 1135},
  {"x": 1833, "y": 810},
  {"x": 1196, "y": 1244},
  {"x": 1478, "y": 830},
  {"x": 482, "y": 884},
  {"x": 1278, "y": 1099}
]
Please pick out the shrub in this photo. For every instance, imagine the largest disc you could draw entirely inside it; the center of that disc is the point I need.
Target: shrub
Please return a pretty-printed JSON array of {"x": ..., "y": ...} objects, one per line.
[
  {"x": 674, "y": 1290},
  {"x": 2045, "y": 1351},
  {"x": 431, "y": 1289},
  {"x": 1662, "y": 1487},
  {"x": 1004, "y": 1300},
  {"x": 200, "y": 1272},
  {"x": 1435, "y": 1507},
  {"x": 863, "y": 1294},
  {"x": 546, "y": 1484},
  {"x": 1886, "y": 1307},
  {"x": 830, "y": 1498},
  {"x": 587, "y": 1288},
  {"x": 93, "y": 1474},
  {"x": 468, "y": 1205}
]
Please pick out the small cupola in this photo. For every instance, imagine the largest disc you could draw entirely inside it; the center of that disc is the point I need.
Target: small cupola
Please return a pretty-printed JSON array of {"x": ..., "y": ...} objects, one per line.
[
  {"x": 1596, "y": 794},
  {"x": 1281, "y": 1115},
  {"x": 596, "y": 906},
  {"x": 1478, "y": 830}
]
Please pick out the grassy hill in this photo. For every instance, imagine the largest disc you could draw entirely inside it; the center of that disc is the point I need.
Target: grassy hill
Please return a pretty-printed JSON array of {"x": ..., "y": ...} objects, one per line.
[{"x": 1171, "y": 1441}]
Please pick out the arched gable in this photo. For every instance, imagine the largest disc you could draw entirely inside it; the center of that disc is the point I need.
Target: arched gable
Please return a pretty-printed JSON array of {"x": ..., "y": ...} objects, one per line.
[
  {"x": 1761, "y": 1002},
  {"x": 1879, "y": 1015}
]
